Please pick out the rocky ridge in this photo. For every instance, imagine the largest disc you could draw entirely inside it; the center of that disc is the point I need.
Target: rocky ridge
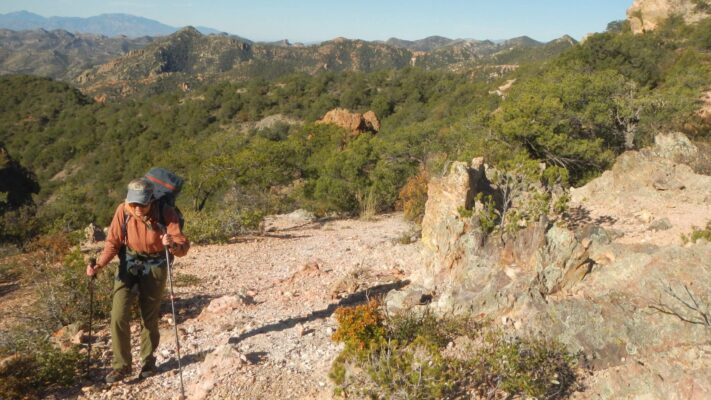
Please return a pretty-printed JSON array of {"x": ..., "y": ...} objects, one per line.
[
  {"x": 108, "y": 67},
  {"x": 188, "y": 56},
  {"x": 625, "y": 302},
  {"x": 60, "y": 54}
]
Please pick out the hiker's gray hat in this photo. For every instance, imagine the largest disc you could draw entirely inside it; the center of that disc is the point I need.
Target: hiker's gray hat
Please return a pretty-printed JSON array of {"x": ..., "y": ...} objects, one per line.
[{"x": 140, "y": 191}]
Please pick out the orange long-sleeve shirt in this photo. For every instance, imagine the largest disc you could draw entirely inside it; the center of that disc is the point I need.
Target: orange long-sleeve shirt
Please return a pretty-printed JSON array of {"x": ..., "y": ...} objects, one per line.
[{"x": 140, "y": 237}]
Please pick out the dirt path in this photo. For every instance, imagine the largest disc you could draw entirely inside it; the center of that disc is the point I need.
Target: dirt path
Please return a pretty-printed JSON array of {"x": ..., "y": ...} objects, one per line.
[{"x": 257, "y": 321}]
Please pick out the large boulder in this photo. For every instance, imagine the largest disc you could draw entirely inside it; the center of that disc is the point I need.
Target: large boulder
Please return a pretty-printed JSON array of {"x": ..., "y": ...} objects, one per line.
[
  {"x": 647, "y": 15},
  {"x": 355, "y": 123}
]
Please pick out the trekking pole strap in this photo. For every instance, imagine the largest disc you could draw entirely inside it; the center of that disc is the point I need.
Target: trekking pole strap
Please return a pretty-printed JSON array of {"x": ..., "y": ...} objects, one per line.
[{"x": 92, "y": 263}]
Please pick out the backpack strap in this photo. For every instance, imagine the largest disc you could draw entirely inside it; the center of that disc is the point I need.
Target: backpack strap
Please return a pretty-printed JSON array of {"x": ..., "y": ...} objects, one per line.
[
  {"x": 124, "y": 227},
  {"x": 161, "y": 217},
  {"x": 127, "y": 215}
]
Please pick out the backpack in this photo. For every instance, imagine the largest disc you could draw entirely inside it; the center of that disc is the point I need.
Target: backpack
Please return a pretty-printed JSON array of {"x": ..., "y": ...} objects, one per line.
[{"x": 167, "y": 187}]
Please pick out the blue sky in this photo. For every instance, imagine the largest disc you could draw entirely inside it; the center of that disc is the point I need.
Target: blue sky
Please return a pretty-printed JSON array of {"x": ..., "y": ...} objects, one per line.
[{"x": 316, "y": 20}]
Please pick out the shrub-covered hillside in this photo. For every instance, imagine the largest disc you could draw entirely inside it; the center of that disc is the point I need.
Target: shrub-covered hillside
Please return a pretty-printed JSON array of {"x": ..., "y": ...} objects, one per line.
[{"x": 577, "y": 111}]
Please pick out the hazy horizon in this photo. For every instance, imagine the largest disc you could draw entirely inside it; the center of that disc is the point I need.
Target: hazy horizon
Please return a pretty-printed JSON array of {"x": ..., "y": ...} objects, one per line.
[{"x": 314, "y": 21}]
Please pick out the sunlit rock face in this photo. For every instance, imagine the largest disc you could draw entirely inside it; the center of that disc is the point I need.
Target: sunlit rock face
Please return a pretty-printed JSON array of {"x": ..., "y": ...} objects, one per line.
[{"x": 647, "y": 15}]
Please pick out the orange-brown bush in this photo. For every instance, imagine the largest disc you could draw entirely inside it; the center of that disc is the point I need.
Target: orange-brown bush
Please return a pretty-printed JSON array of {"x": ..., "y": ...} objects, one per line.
[
  {"x": 413, "y": 196},
  {"x": 359, "y": 325}
]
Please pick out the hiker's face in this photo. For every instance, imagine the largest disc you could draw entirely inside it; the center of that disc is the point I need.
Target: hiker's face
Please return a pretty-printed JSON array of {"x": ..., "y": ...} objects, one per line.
[{"x": 140, "y": 209}]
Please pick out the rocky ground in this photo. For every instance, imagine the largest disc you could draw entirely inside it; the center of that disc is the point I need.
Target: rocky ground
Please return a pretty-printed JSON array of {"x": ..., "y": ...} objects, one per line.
[
  {"x": 257, "y": 322},
  {"x": 654, "y": 196}
]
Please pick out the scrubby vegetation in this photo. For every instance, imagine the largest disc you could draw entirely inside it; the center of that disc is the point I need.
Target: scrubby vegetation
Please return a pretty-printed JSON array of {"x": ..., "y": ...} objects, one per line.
[
  {"x": 424, "y": 357},
  {"x": 575, "y": 111},
  {"x": 65, "y": 160},
  {"x": 36, "y": 367},
  {"x": 37, "y": 358},
  {"x": 697, "y": 234}
]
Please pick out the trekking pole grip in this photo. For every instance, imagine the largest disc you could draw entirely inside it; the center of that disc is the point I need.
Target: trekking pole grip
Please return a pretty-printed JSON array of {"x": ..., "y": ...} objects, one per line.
[{"x": 92, "y": 262}]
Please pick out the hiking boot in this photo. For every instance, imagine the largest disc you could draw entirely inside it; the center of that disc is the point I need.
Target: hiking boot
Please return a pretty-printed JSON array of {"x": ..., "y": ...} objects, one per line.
[
  {"x": 117, "y": 375},
  {"x": 148, "y": 369}
]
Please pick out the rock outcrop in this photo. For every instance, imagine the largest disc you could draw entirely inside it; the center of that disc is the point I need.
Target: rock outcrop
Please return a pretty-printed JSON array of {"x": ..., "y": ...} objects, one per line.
[
  {"x": 628, "y": 306},
  {"x": 668, "y": 180},
  {"x": 272, "y": 121},
  {"x": 93, "y": 234},
  {"x": 647, "y": 15},
  {"x": 355, "y": 123}
]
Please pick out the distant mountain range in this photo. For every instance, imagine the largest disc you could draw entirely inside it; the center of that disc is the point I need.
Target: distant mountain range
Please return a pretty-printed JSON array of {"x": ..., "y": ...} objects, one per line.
[
  {"x": 59, "y": 54},
  {"x": 117, "y": 55},
  {"x": 119, "y": 66},
  {"x": 188, "y": 58},
  {"x": 427, "y": 44},
  {"x": 104, "y": 24}
]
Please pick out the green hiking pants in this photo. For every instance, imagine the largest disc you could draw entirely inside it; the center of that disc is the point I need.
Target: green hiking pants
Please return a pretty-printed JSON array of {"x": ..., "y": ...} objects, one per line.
[{"x": 148, "y": 287}]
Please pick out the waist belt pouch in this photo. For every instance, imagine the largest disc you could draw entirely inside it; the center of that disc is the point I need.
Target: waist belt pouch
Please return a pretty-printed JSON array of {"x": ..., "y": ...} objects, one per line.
[{"x": 133, "y": 265}]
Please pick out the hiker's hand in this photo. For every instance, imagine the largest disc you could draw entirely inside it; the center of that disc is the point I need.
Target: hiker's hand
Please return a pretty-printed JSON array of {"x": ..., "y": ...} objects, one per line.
[
  {"x": 91, "y": 270},
  {"x": 167, "y": 240}
]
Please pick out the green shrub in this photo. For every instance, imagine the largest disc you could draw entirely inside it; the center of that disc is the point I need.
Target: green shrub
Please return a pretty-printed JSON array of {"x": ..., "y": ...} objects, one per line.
[
  {"x": 406, "y": 327},
  {"x": 64, "y": 212},
  {"x": 465, "y": 212},
  {"x": 406, "y": 356},
  {"x": 538, "y": 368},
  {"x": 488, "y": 216},
  {"x": 220, "y": 225},
  {"x": 19, "y": 225},
  {"x": 57, "y": 271},
  {"x": 413, "y": 371},
  {"x": 697, "y": 234},
  {"x": 8, "y": 271},
  {"x": 560, "y": 204},
  {"x": 37, "y": 369}
]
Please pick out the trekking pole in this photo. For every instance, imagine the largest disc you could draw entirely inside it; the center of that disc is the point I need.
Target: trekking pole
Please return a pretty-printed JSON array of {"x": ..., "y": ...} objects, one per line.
[
  {"x": 92, "y": 262},
  {"x": 175, "y": 320}
]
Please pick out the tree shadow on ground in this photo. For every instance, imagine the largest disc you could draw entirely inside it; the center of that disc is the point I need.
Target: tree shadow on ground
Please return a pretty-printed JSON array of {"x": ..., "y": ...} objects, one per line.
[
  {"x": 185, "y": 360},
  {"x": 285, "y": 236},
  {"x": 355, "y": 298},
  {"x": 186, "y": 307},
  {"x": 579, "y": 216},
  {"x": 98, "y": 373},
  {"x": 264, "y": 236},
  {"x": 257, "y": 357},
  {"x": 6, "y": 288}
]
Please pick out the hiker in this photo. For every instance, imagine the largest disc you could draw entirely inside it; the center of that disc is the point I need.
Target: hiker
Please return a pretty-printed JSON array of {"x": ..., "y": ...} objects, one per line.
[{"x": 139, "y": 235}]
